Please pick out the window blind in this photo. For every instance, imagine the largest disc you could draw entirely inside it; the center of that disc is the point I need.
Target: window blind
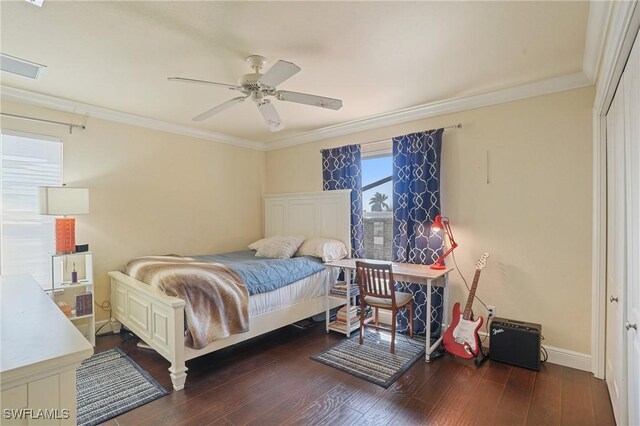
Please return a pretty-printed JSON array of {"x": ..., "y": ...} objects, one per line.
[{"x": 28, "y": 239}]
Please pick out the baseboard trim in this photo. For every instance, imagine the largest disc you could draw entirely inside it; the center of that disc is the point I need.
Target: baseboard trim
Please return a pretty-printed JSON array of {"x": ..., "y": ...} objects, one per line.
[
  {"x": 568, "y": 358},
  {"x": 113, "y": 328}
]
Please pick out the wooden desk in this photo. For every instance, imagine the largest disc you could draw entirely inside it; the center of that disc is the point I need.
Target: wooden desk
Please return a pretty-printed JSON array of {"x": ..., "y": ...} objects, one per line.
[
  {"x": 40, "y": 352},
  {"x": 419, "y": 274}
]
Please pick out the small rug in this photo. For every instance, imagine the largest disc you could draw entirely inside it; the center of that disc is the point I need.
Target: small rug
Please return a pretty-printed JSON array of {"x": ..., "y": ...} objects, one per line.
[
  {"x": 109, "y": 384},
  {"x": 372, "y": 360}
]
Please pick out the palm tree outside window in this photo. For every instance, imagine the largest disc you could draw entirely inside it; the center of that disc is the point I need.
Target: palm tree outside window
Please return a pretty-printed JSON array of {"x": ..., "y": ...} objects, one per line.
[{"x": 378, "y": 203}]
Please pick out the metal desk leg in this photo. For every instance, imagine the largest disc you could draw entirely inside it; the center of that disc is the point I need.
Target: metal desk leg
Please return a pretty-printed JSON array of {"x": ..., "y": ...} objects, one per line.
[
  {"x": 427, "y": 352},
  {"x": 431, "y": 348},
  {"x": 347, "y": 278},
  {"x": 445, "y": 304},
  {"x": 327, "y": 313}
]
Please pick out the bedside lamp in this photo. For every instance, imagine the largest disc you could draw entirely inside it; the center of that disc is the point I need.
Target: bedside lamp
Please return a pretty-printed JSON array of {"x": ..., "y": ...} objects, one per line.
[
  {"x": 62, "y": 201},
  {"x": 438, "y": 224}
]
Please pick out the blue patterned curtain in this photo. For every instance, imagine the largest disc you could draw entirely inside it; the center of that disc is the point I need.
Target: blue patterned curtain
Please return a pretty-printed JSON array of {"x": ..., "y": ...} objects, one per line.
[
  {"x": 342, "y": 169},
  {"x": 416, "y": 202}
]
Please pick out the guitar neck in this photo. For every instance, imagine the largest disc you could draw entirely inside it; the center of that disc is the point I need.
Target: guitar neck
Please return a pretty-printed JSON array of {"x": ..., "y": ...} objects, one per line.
[{"x": 472, "y": 295}]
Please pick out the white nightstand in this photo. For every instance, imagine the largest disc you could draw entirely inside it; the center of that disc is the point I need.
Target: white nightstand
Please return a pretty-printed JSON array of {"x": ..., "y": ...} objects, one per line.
[{"x": 79, "y": 295}]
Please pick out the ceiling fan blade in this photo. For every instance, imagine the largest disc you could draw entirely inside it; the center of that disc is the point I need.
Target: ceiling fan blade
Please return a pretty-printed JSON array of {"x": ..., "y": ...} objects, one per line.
[
  {"x": 212, "y": 83},
  {"x": 219, "y": 108},
  {"x": 270, "y": 115},
  {"x": 303, "y": 98},
  {"x": 279, "y": 72}
]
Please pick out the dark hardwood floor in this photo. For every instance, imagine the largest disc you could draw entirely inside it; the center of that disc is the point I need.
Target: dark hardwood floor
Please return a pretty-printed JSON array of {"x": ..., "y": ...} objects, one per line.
[{"x": 270, "y": 380}]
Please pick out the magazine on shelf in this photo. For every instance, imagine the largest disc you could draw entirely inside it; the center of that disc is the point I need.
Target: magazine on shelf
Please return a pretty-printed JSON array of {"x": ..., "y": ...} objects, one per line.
[{"x": 340, "y": 289}]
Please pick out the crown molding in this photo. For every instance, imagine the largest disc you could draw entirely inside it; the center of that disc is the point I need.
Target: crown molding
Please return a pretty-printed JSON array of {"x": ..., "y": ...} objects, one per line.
[
  {"x": 624, "y": 20},
  {"x": 60, "y": 104},
  {"x": 599, "y": 15},
  {"x": 538, "y": 88},
  {"x": 543, "y": 87}
]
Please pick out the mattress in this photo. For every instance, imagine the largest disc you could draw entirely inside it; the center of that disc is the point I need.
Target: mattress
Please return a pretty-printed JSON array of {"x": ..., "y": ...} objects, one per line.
[
  {"x": 307, "y": 288},
  {"x": 262, "y": 275}
]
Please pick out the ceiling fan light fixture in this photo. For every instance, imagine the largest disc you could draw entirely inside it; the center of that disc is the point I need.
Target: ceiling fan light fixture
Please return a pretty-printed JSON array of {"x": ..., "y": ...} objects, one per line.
[{"x": 21, "y": 66}]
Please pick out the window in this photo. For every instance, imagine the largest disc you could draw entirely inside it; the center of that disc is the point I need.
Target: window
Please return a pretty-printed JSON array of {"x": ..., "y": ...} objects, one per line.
[
  {"x": 27, "y": 238},
  {"x": 377, "y": 206}
]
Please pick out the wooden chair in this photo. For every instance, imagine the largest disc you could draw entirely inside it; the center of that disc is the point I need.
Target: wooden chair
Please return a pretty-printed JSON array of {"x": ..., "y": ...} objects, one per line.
[{"x": 377, "y": 289}]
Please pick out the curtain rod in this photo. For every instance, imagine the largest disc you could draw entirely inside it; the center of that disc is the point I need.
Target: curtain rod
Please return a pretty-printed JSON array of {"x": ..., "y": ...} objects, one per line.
[
  {"x": 41, "y": 120},
  {"x": 452, "y": 127}
]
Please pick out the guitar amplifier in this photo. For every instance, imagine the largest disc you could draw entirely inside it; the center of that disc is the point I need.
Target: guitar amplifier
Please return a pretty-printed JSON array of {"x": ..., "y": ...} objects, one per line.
[{"x": 515, "y": 342}]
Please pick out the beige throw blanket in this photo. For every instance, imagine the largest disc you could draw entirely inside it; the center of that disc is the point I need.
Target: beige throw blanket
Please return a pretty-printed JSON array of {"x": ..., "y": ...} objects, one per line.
[{"x": 217, "y": 301}]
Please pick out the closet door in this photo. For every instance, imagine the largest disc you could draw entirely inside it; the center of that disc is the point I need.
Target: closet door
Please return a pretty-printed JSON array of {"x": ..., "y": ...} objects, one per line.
[
  {"x": 616, "y": 257},
  {"x": 631, "y": 80}
]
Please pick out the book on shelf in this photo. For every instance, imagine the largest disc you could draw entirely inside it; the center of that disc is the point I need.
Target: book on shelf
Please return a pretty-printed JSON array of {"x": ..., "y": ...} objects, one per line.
[
  {"x": 352, "y": 309},
  {"x": 341, "y": 316},
  {"x": 353, "y": 320},
  {"x": 84, "y": 304},
  {"x": 343, "y": 326}
]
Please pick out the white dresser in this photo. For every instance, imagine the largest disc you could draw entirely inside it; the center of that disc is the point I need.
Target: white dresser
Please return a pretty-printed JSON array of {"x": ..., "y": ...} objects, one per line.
[{"x": 40, "y": 350}]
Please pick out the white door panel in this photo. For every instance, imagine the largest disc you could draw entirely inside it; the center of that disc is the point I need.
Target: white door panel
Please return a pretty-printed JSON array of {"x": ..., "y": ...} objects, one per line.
[
  {"x": 631, "y": 80},
  {"x": 616, "y": 260}
]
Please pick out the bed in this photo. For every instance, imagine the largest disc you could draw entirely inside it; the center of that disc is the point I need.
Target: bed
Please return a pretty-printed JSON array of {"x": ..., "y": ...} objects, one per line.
[{"x": 158, "y": 319}]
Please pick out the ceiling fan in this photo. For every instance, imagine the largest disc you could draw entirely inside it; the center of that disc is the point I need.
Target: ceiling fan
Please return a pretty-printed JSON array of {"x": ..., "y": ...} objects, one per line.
[{"x": 258, "y": 87}]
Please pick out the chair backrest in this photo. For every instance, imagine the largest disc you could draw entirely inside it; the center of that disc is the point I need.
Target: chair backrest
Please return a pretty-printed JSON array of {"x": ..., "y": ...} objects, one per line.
[{"x": 376, "y": 279}]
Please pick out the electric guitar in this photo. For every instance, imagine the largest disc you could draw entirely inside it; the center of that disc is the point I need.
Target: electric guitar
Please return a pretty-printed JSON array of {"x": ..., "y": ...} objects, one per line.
[{"x": 461, "y": 338}]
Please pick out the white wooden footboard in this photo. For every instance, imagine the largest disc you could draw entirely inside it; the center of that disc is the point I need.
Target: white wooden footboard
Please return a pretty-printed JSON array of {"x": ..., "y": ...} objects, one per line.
[
  {"x": 158, "y": 320},
  {"x": 153, "y": 316}
]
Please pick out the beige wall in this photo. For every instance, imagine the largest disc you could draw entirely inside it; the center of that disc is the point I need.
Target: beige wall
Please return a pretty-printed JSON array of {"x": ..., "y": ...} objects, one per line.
[
  {"x": 153, "y": 192},
  {"x": 534, "y": 216}
]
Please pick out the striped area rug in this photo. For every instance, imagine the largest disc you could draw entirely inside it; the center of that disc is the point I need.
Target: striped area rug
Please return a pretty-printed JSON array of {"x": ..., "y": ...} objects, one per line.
[
  {"x": 372, "y": 360},
  {"x": 109, "y": 384}
]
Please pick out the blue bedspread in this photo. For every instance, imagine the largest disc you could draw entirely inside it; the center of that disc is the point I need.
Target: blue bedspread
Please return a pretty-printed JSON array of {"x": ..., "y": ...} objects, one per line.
[{"x": 261, "y": 275}]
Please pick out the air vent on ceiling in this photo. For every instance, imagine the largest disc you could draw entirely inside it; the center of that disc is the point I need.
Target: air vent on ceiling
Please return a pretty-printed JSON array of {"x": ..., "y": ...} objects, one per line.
[{"x": 21, "y": 67}]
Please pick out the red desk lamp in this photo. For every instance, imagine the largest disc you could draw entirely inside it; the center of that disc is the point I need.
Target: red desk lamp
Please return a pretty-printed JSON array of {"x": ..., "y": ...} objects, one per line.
[{"x": 438, "y": 224}]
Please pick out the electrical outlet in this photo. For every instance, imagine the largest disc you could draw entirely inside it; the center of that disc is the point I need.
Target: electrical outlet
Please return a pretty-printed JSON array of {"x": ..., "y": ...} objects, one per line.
[{"x": 492, "y": 312}]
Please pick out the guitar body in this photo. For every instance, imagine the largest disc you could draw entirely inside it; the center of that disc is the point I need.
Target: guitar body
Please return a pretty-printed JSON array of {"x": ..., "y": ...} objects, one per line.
[{"x": 461, "y": 338}]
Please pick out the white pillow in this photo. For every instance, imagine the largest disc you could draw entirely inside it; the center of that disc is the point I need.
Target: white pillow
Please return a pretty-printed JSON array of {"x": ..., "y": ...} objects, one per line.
[
  {"x": 257, "y": 244},
  {"x": 326, "y": 249},
  {"x": 278, "y": 247}
]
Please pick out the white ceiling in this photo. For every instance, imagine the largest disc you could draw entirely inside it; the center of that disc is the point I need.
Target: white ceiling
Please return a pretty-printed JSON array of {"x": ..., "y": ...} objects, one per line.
[{"x": 377, "y": 57}]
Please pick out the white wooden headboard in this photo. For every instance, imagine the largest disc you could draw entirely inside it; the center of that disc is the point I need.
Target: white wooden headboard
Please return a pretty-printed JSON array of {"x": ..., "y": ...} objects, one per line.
[{"x": 312, "y": 214}]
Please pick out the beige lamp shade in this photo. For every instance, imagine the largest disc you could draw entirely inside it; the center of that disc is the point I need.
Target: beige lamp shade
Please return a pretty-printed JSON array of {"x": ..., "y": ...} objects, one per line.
[{"x": 63, "y": 200}]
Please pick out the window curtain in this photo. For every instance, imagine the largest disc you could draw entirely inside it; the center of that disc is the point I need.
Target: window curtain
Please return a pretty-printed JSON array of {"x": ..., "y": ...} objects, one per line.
[
  {"x": 416, "y": 202},
  {"x": 342, "y": 169}
]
